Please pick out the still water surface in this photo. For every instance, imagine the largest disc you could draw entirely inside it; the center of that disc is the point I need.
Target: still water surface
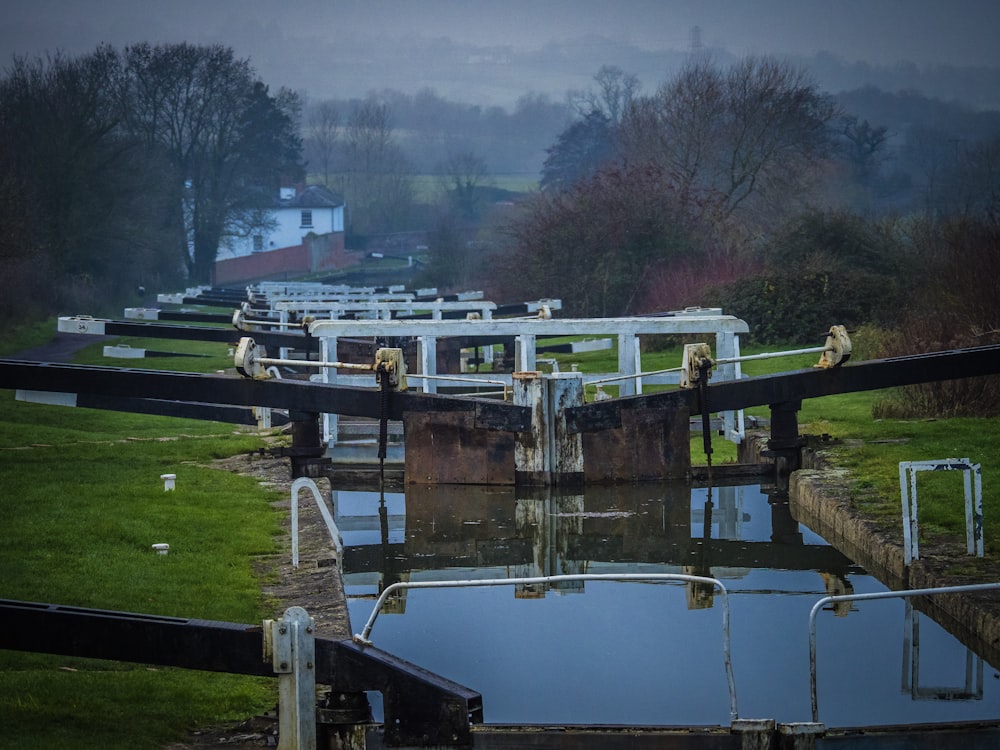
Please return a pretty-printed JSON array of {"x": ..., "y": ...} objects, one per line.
[{"x": 600, "y": 652}]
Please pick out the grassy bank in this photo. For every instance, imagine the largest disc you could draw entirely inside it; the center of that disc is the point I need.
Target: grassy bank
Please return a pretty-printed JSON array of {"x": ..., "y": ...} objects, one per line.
[{"x": 82, "y": 502}]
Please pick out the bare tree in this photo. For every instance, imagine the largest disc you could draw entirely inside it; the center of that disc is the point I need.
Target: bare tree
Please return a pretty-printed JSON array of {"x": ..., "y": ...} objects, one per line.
[
  {"x": 679, "y": 127},
  {"x": 463, "y": 175},
  {"x": 614, "y": 92},
  {"x": 322, "y": 136},
  {"x": 749, "y": 132},
  {"x": 78, "y": 198},
  {"x": 376, "y": 180},
  {"x": 863, "y": 146},
  {"x": 594, "y": 243},
  {"x": 225, "y": 137}
]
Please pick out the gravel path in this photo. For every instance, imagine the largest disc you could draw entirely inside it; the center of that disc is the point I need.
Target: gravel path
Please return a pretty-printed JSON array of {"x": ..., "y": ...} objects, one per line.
[{"x": 60, "y": 349}]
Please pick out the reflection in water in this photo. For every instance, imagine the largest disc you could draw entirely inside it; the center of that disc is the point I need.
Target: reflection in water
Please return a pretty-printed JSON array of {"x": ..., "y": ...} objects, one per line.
[
  {"x": 972, "y": 687},
  {"x": 541, "y": 655},
  {"x": 537, "y": 532}
]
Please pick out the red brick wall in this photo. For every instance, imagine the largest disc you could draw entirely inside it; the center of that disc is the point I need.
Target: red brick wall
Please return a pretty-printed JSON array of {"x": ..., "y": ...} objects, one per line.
[{"x": 324, "y": 252}]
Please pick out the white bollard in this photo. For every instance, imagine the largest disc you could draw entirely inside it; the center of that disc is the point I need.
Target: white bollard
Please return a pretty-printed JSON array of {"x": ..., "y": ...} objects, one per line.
[
  {"x": 168, "y": 481},
  {"x": 161, "y": 548}
]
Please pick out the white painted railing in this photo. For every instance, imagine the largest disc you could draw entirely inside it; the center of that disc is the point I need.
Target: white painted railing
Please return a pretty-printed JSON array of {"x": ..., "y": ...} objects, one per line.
[{"x": 308, "y": 484}]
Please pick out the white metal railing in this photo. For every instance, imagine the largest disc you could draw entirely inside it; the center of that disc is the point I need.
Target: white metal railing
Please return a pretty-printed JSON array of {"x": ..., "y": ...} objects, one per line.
[
  {"x": 865, "y": 597},
  {"x": 364, "y": 637},
  {"x": 525, "y": 333},
  {"x": 307, "y": 483},
  {"x": 973, "y": 503},
  {"x": 466, "y": 379}
]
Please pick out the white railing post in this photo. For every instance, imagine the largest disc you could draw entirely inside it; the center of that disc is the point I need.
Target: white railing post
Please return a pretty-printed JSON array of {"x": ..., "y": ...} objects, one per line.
[{"x": 291, "y": 646}]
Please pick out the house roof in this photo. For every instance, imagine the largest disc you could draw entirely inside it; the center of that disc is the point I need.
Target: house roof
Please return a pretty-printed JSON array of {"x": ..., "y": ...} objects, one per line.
[{"x": 314, "y": 196}]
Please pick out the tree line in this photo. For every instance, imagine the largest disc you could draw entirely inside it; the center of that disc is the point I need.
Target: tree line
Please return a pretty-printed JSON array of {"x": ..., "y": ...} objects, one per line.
[
  {"x": 126, "y": 168},
  {"x": 745, "y": 187},
  {"x": 737, "y": 184}
]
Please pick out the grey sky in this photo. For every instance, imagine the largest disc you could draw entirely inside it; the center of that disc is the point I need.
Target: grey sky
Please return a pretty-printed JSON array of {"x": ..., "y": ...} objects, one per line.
[{"x": 345, "y": 47}]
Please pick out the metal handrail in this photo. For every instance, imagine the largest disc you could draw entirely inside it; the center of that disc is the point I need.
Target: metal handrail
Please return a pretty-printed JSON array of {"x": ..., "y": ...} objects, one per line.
[
  {"x": 636, "y": 376},
  {"x": 877, "y": 595},
  {"x": 306, "y": 483},
  {"x": 462, "y": 379},
  {"x": 722, "y": 361},
  {"x": 363, "y": 638}
]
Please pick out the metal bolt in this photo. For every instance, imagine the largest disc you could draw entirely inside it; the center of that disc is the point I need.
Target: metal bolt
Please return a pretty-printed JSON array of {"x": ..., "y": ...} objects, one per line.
[
  {"x": 283, "y": 630},
  {"x": 283, "y": 665}
]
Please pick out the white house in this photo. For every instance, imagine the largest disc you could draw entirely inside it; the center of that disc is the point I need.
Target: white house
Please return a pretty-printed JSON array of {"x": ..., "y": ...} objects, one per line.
[{"x": 313, "y": 210}]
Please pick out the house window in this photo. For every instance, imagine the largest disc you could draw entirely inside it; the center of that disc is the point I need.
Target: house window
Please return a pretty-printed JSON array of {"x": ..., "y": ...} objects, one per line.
[
  {"x": 258, "y": 243},
  {"x": 307, "y": 218}
]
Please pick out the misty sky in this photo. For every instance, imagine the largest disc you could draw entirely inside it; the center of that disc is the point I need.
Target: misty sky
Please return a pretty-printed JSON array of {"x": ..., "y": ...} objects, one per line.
[{"x": 336, "y": 48}]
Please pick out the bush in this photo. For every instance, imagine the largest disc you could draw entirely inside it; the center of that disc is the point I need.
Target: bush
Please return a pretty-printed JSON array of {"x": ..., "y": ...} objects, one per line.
[
  {"x": 822, "y": 270},
  {"x": 956, "y": 306},
  {"x": 963, "y": 397}
]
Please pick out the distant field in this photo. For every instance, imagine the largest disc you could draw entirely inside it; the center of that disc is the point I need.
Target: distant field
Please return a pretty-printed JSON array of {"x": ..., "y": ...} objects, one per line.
[
  {"x": 428, "y": 187},
  {"x": 518, "y": 182}
]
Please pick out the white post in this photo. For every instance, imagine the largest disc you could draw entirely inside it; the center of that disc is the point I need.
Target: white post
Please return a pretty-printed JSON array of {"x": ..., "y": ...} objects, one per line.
[
  {"x": 290, "y": 643},
  {"x": 328, "y": 353},
  {"x": 530, "y": 454},
  {"x": 628, "y": 357},
  {"x": 904, "y": 496},
  {"x": 524, "y": 352},
  {"x": 428, "y": 361},
  {"x": 566, "y": 448},
  {"x": 549, "y": 451}
]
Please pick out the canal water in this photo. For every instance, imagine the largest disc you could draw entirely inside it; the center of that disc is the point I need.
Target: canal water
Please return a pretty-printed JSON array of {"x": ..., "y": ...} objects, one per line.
[{"x": 645, "y": 653}]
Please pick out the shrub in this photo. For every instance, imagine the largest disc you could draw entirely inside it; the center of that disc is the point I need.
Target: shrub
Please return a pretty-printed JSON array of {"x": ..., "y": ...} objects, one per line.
[
  {"x": 821, "y": 270},
  {"x": 956, "y": 306}
]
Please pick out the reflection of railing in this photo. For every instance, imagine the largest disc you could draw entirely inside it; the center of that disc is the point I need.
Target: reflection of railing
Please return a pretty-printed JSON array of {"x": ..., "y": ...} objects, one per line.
[
  {"x": 623, "y": 577},
  {"x": 877, "y": 595},
  {"x": 972, "y": 690}
]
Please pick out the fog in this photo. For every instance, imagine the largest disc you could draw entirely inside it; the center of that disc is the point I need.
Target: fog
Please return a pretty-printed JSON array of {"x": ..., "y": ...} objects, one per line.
[{"x": 492, "y": 53}]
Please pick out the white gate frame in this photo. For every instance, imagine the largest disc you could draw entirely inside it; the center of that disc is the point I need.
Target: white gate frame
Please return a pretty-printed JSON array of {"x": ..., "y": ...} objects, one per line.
[{"x": 972, "y": 475}]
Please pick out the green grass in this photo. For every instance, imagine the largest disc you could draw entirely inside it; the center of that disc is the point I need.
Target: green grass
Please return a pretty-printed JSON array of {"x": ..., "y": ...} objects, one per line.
[
  {"x": 82, "y": 502},
  {"x": 20, "y": 336},
  {"x": 211, "y": 356}
]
